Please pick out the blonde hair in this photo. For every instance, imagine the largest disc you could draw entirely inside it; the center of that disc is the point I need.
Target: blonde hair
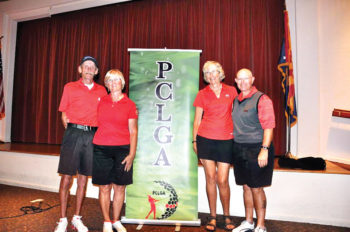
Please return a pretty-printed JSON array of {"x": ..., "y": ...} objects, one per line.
[
  {"x": 218, "y": 68},
  {"x": 113, "y": 73}
]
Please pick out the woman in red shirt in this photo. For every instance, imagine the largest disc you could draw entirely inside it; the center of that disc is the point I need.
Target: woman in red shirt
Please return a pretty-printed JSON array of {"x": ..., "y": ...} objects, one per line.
[
  {"x": 115, "y": 144},
  {"x": 213, "y": 138}
]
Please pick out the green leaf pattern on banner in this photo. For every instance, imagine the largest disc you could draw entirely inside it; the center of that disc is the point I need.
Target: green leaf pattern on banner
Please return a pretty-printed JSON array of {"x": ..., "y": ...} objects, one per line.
[{"x": 177, "y": 168}]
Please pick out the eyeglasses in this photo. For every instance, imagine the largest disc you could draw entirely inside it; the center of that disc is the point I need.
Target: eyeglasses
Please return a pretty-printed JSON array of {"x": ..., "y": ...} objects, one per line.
[
  {"x": 110, "y": 80},
  {"x": 243, "y": 79},
  {"x": 211, "y": 72}
]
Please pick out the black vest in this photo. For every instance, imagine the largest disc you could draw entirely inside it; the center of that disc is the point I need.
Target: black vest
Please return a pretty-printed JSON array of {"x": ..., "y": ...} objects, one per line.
[{"x": 246, "y": 124}]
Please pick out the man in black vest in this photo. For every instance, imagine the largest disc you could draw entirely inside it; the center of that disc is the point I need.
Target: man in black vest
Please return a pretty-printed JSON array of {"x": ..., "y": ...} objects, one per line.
[{"x": 253, "y": 152}]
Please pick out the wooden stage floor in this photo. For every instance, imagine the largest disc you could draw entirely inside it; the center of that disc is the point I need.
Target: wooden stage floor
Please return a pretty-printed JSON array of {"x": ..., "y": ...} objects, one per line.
[{"x": 48, "y": 149}]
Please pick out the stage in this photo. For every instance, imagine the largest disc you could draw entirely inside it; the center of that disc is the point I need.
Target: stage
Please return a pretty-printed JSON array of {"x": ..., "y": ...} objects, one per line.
[{"x": 320, "y": 197}]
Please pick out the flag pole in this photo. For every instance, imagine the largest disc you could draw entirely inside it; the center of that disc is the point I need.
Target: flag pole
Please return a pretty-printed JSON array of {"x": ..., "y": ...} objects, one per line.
[
  {"x": 285, "y": 66},
  {"x": 288, "y": 153}
]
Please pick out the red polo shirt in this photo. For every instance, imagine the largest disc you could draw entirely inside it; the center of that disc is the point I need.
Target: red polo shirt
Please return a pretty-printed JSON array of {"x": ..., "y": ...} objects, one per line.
[
  {"x": 113, "y": 121},
  {"x": 217, "y": 121},
  {"x": 80, "y": 103},
  {"x": 266, "y": 113}
]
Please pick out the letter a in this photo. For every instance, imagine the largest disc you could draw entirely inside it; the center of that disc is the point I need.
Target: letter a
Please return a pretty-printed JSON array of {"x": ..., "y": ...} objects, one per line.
[{"x": 162, "y": 159}]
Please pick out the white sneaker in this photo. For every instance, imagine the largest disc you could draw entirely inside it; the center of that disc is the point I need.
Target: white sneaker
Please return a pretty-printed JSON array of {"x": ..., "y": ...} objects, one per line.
[
  {"x": 259, "y": 229},
  {"x": 119, "y": 227},
  {"x": 62, "y": 225},
  {"x": 245, "y": 226},
  {"x": 78, "y": 224},
  {"x": 107, "y": 227}
]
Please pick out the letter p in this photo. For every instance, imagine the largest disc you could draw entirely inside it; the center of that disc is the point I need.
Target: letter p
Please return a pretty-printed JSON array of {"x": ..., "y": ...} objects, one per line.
[{"x": 163, "y": 66}]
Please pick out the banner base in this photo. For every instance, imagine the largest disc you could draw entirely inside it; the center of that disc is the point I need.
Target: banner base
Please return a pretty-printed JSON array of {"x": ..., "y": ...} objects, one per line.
[{"x": 160, "y": 222}]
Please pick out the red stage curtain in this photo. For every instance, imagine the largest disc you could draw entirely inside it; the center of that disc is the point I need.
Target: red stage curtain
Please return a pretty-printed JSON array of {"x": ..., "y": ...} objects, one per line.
[{"x": 237, "y": 33}]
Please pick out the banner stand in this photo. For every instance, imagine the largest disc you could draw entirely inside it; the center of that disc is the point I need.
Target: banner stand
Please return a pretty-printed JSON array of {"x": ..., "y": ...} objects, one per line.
[
  {"x": 163, "y": 83},
  {"x": 161, "y": 222}
]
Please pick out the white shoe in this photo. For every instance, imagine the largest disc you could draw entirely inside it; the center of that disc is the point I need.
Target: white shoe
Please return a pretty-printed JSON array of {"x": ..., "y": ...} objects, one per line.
[
  {"x": 78, "y": 224},
  {"x": 245, "y": 226},
  {"x": 62, "y": 225},
  {"x": 107, "y": 227},
  {"x": 119, "y": 227},
  {"x": 259, "y": 229}
]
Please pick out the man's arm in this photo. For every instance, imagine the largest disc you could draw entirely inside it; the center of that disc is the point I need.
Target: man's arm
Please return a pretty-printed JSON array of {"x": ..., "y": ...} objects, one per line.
[
  {"x": 65, "y": 120},
  {"x": 264, "y": 153}
]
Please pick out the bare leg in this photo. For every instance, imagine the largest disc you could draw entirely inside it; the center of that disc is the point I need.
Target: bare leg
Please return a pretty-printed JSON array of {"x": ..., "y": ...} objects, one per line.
[
  {"x": 118, "y": 200},
  {"x": 224, "y": 189},
  {"x": 248, "y": 203},
  {"x": 63, "y": 193},
  {"x": 210, "y": 178},
  {"x": 81, "y": 182},
  {"x": 260, "y": 205},
  {"x": 105, "y": 201}
]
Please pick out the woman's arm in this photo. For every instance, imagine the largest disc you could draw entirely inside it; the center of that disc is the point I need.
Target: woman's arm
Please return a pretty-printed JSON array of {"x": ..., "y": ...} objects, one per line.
[
  {"x": 133, "y": 144},
  {"x": 197, "y": 121}
]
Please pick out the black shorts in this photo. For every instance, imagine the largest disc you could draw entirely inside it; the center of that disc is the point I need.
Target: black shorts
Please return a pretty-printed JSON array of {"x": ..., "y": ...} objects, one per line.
[
  {"x": 216, "y": 150},
  {"x": 246, "y": 168},
  {"x": 76, "y": 152},
  {"x": 108, "y": 167}
]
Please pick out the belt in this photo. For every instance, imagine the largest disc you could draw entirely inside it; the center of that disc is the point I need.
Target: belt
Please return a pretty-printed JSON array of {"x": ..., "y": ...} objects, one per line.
[{"x": 82, "y": 127}]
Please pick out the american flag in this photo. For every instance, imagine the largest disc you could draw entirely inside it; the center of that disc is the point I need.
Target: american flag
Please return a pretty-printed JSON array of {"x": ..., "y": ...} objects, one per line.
[
  {"x": 2, "y": 100},
  {"x": 285, "y": 66}
]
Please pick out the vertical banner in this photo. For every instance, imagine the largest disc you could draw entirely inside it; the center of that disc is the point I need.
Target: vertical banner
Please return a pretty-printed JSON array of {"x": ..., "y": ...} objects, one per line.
[{"x": 163, "y": 83}]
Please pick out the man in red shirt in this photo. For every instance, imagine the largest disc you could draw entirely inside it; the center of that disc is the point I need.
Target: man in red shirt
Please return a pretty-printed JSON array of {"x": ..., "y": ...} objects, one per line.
[{"x": 79, "y": 116}]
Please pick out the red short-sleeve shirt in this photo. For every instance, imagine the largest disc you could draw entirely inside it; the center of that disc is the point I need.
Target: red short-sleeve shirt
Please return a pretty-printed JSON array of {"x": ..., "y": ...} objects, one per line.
[
  {"x": 113, "y": 121},
  {"x": 266, "y": 113},
  {"x": 80, "y": 103},
  {"x": 217, "y": 121}
]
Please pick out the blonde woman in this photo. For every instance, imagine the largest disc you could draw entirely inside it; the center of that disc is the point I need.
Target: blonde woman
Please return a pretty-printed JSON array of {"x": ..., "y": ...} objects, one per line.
[
  {"x": 213, "y": 138},
  {"x": 115, "y": 144}
]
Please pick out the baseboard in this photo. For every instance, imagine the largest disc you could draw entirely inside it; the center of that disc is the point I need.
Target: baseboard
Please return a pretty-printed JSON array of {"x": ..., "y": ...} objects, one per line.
[
  {"x": 29, "y": 185},
  {"x": 294, "y": 218},
  {"x": 338, "y": 160}
]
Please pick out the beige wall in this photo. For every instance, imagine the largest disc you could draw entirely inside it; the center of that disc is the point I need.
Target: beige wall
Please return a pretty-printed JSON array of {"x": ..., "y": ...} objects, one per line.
[
  {"x": 321, "y": 33},
  {"x": 334, "y": 59}
]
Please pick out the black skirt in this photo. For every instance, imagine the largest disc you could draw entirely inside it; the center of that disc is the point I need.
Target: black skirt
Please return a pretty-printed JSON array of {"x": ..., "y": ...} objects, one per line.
[{"x": 216, "y": 150}]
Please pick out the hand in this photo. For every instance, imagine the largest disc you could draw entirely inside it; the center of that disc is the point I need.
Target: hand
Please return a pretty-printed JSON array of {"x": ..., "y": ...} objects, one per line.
[
  {"x": 195, "y": 147},
  {"x": 65, "y": 123},
  {"x": 262, "y": 158},
  {"x": 65, "y": 120},
  {"x": 128, "y": 162}
]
